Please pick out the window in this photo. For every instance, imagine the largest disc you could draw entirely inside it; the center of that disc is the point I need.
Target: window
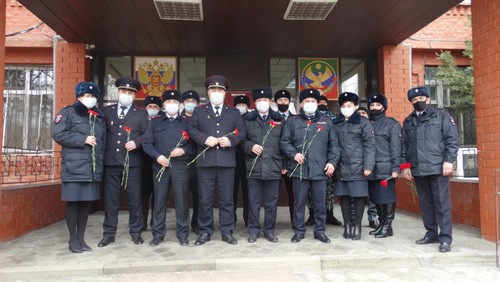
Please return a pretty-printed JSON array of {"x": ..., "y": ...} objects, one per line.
[
  {"x": 28, "y": 108},
  {"x": 115, "y": 67},
  {"x": 192, "y": 75},
  {"x": 352, "y": 77}
]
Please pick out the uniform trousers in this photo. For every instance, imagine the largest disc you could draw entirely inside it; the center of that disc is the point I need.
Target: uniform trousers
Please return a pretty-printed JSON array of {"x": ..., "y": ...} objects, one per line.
[
  {"x": 175, "y": 178},
  {"x": 262, "y": 192},
  {"x": 435, "y": 206},
  {"x": 300, "y": 189},
  {"x": 209, "y": 179},
  {"x": 112, "y": 187}
]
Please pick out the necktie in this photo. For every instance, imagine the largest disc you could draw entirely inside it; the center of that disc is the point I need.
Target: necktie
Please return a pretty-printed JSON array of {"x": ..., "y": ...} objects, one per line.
[
  {"x": 284, "y": 116},
  {"x": 171, "y": 119},
  {"x": 217, "y": 111},
  {"x": 122, "y": 113},
  {"x": 310, "y": 117},
  {"x": 264, "y": 117}
]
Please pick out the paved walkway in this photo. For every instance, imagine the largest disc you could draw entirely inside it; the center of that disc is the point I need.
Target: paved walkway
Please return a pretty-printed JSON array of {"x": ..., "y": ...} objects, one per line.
[{"x": 43, "y": 255}]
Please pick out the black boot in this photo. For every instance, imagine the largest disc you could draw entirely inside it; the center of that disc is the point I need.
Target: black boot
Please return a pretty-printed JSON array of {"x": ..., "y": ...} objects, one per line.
[
  {"x": 356, "y": 234},
  {"x": 330, "y": 219},
  {"x": 390, "y": 211},
  {"x": 381, "y": 216},
  {"x": 347, "y": 231},
  {"x": 310, "y": 220}
]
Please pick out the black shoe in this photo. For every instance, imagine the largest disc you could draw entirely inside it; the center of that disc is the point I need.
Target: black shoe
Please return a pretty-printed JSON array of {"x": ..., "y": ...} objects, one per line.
[
  {"x": 195, "y": 229},
  {"x": 202, "y": 239},
  {"x": 74, "y": 247},
  {"x": 229, "y": 239},
  {"x": 184, "y": 242},
  {"x": 106, "y": 241},
  {"x": 137, "y": 239},
  {"x": 155, "y": 242},
  {"x": 252, "y": 238},
  {"x": 85, "y": 247},
  {"x": 322, "y": 237},
  {"x": 297, "y": 237},
  {"x": 444, "y": 247},
  {"x": 271, "y": 237},
  {"x": 427, "y": 240},
  {"x": 332, "y": 220},
  {"x": 373, "y": 224}
]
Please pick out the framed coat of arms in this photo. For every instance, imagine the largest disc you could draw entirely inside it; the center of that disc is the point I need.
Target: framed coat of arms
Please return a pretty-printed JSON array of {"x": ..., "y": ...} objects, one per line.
[
  {"x": 156, "y": 74},
  {"x": 321, "y": 74}
]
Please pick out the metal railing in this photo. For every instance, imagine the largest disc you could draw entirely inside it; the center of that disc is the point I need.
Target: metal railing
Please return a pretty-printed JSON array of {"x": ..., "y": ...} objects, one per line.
[{"x": 30, "y": 167}]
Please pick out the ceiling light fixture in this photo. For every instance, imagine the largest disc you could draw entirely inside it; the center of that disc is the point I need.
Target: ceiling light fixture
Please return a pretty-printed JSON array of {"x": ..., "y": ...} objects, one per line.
[
  {"x": 183, "y": 10},
  {"x": 312, "y": 10}
]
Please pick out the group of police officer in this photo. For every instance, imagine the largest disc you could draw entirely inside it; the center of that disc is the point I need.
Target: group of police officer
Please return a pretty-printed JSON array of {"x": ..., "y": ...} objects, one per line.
[{"x": 197, "y": 150}]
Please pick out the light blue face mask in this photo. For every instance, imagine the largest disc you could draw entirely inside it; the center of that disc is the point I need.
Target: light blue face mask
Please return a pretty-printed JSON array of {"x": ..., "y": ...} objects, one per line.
[{"x": 189, "y": 107}]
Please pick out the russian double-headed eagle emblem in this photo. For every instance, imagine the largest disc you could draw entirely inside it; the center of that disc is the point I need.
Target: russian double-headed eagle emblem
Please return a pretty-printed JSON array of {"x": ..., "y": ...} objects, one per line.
[{"x": 156, "y": 77}]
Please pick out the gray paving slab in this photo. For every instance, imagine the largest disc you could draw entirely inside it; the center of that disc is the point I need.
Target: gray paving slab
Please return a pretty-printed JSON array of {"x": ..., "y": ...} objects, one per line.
[{"x": 44, "y": 254}]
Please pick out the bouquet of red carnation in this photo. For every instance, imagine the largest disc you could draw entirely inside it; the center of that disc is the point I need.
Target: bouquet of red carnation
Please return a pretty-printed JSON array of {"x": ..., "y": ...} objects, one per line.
[
  {"x": 306, "y": 146},
  {"x": 272, "y": 125},
  {"x": 184, "y": 136},
  {"x": 235, "y": 132},
  {"x": 92, "y": 118},
  {"x": 127, "y": 160}
]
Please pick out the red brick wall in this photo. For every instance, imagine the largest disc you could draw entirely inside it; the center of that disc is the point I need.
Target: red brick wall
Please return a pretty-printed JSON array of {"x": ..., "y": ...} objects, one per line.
[
  {"x": 20, "y": 18},
  {"x": 394, "y": 77},
  {"x": 464, "y": 201},
  {"x": 486, "y": 34},
  {"x": 449, "y": 31},
  {"x": 27, "y": 209}
]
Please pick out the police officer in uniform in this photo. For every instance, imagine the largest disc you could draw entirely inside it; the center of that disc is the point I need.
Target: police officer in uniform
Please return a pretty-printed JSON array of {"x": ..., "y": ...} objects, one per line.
[
  {"x": 82, "y": 135},
  {"x": 282, "y": 100},
  {"x": 221, "y": 128},
  {"x": 120, "y": 115},
  {"x": 162, "y": 143},
  {"x": 430, "y": 146},
  {"x": 242, "y": 103},
  {"x": 388, "y": 158},
  {"x": 190, "y": 99},
  {"x": 153, "y": 106},
  {"x": 264, "y": 163},
  {"x": 311, "y": 142}
]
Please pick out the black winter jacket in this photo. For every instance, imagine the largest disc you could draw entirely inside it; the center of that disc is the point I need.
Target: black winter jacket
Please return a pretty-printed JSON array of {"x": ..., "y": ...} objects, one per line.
[
  {"x": 70, "y": 129},
  {"x": 270, "y": 163},
  {"x": 430, "y": 142},
  {"x": 388, "y": 143},
  {"x": 357, "y": 147},
  {"x": 323, "y": 149}
]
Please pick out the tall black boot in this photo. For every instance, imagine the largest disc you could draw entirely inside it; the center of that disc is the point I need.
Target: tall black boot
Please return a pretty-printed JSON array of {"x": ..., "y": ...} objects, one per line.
[
  {"x": 359, "y": 208},
  {"x": 310, "y": 220},
  {"x": 83, "y": 215},
  {"x": 381, "y": 216},
  {"x": 345, "y": 206},
  {"x": 390, "y": 211},
  {"x": 71, "y": 222}
]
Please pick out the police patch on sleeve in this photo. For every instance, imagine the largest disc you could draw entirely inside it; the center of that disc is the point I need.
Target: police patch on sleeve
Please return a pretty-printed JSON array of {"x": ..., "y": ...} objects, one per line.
[
  {"x": 452, "y": 121},
  {"x": 58, "y": 118}
]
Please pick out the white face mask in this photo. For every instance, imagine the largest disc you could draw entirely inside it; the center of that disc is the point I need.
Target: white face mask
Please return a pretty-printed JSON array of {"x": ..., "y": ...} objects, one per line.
[
  {"x": 89, "y": 102},
  {"x": 189, "y": 107},
  {"x": 171, "y": 109},
  {"x": 347, "y": 112},
  {"x": 242, "y": 109},
  {"x": 262, "y": 106},
  {"x": 217, "y": 98},
  {"x": 153, "y": 112},
  {"x": 125, "y": 100},
  {"x": 310, "y": 108}
]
